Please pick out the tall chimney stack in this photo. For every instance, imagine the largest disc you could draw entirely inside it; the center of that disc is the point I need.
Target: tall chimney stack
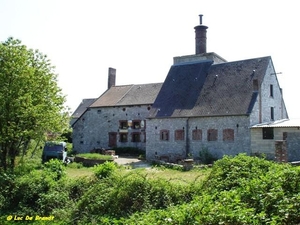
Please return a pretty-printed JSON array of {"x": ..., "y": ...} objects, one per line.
[
  {"x": 200, "y": 38},
  {"x": 111, "y": 77}
]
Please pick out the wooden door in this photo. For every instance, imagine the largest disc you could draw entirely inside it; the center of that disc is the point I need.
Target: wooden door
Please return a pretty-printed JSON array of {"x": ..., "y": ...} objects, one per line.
[{"x": 112, "y": 139}]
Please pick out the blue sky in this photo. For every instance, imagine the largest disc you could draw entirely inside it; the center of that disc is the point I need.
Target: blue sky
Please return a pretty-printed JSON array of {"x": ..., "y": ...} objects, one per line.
[{"x": 140, "y": 38}]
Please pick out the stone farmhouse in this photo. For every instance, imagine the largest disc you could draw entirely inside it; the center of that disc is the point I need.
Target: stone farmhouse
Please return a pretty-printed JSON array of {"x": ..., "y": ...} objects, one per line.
[
  {"x": 205, "y": 102},
  {"x": 116, "y": 118}
]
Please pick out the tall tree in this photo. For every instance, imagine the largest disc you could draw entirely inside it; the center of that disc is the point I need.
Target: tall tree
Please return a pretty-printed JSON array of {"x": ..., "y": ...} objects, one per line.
[{"x": 31, "y": 103}]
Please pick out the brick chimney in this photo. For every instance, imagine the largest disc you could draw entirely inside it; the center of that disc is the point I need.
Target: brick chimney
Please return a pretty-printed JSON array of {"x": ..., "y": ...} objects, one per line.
[
  {"x": 111, "y": 77},
  {"x": 200, "y": 38}
]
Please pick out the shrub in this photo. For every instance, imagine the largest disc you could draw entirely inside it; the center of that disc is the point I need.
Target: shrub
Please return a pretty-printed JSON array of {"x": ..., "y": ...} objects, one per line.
[
  {"x": 27, "y": 165},
  {"x": 104, "y": 170},
  {"x": 206, "y": 157},
  {"x": 75, "y": 165},
  {"x": 55, "y": 168}
]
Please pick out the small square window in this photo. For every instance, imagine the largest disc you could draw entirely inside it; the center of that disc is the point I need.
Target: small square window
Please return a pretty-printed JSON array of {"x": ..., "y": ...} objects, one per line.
[
  {"x": 228, "y": 135},
  {"x": 197, "y": 135},
  {"x": 136, "y": 124},
  {"x": 268, "y": 133},
  {"x": 135, "y": 137},
  {"x": 179, "y": 135},
  {"x": 123, "y": 124},
  {"x": 212, "y": 135},
  {"x": 123, "y": 137}
]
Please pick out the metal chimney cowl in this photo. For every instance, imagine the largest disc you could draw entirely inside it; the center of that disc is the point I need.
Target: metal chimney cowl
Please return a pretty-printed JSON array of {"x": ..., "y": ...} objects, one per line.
[{"x": 200, "y": 37}]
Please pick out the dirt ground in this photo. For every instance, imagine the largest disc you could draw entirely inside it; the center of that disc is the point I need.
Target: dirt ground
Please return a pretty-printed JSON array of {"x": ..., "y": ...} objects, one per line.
[{"x": 134, "y": 162}]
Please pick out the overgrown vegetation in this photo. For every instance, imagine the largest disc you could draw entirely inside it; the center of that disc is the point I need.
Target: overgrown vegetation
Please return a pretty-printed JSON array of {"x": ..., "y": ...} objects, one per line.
[
  {"x": 236, "y": 190},
  {"x": 31, "y": 103}
]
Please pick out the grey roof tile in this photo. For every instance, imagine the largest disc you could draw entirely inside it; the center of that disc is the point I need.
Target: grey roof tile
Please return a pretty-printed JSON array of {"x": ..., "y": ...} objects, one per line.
[
  {"x": 140, "y": 94},
  {"x": 203, "y": 89}
]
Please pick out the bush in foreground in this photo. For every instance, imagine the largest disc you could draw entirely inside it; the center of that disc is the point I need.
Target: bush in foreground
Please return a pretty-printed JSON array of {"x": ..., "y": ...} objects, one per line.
[{"x": 239, "y": 190}]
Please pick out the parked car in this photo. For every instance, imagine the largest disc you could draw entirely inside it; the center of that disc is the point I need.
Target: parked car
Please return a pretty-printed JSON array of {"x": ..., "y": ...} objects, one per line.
[{"x": 54, "y": 150}]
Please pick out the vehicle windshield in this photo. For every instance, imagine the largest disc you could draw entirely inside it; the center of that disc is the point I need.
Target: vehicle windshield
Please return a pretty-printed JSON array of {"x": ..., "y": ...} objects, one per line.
[{"x": 53, "y": 148}]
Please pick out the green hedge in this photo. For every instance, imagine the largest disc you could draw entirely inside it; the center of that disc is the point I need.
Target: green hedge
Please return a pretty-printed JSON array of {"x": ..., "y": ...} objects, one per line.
[{"x": 239, "y": 190}]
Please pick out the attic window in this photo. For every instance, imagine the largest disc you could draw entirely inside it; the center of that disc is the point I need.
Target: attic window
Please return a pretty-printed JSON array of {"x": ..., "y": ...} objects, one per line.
[
  {"x": 212, "y": 135},
  {"x": 271, "y": 90},
  {"x": 255, "y": 85},
  {"x": 268, "y": 133},
  {"x": 272, "y": 113}
]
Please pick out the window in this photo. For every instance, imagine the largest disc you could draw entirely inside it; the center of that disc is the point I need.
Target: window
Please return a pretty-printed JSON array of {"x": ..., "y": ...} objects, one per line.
[
  {"x": 255, "y": 85},
  {"x": 212, "y": 135},
  {"x": 271, "y": 90},
  {"x": 268, "y": 133},
  {"x": 136, "y": 124},
  {"x": 228, "y": 135},
  {"x": 272, "y": 113},
  {"x": 284, "y": 136},
  {"x": 123, "y": 124},
  {"x": 123, "y": 137},
  {"x": 135, "y": 137},
  {"x": 179, "y": 135},
  {"x": 164, "y": 135},
  {"x": 197, "y": 135}
]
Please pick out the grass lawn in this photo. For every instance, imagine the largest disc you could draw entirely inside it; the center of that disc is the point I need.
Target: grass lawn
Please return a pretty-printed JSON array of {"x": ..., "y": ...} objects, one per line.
[
  {"x": 171, "y": 175},
  {"x": 150, "y": 172},
  {"x": 79, "y": 172}
]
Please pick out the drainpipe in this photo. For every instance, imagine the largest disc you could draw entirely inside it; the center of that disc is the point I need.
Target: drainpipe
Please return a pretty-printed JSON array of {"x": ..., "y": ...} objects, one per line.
[{"x": 187, "y": 139}]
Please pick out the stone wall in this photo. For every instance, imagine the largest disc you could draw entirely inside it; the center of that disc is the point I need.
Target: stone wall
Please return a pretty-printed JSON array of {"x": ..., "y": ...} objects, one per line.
[
  {"x": 92, "y": 129},
  {"x": 262, "y": 109},
  {"x": 173, "y": 149}
]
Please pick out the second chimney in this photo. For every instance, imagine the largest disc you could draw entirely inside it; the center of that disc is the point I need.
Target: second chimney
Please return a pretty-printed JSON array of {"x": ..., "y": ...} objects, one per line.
[
  {"x": 111, "y": 77},
  {"x": 200, "y": 32}
]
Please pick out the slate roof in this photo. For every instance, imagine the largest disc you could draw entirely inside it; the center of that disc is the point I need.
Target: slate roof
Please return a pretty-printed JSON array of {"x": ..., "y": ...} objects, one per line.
[
  {"x": 134, "y": 94},
  {"x": 205, "y": 89},
  {"x": 81, "y": 109}
]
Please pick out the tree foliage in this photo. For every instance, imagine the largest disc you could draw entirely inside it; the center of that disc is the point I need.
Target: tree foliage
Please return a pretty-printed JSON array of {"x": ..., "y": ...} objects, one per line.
[{"x": 31, "y": 103}]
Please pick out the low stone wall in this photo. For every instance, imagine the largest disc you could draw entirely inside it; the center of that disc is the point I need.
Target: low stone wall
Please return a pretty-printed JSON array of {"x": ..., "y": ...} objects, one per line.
[{"x": 90, "y": 162}]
